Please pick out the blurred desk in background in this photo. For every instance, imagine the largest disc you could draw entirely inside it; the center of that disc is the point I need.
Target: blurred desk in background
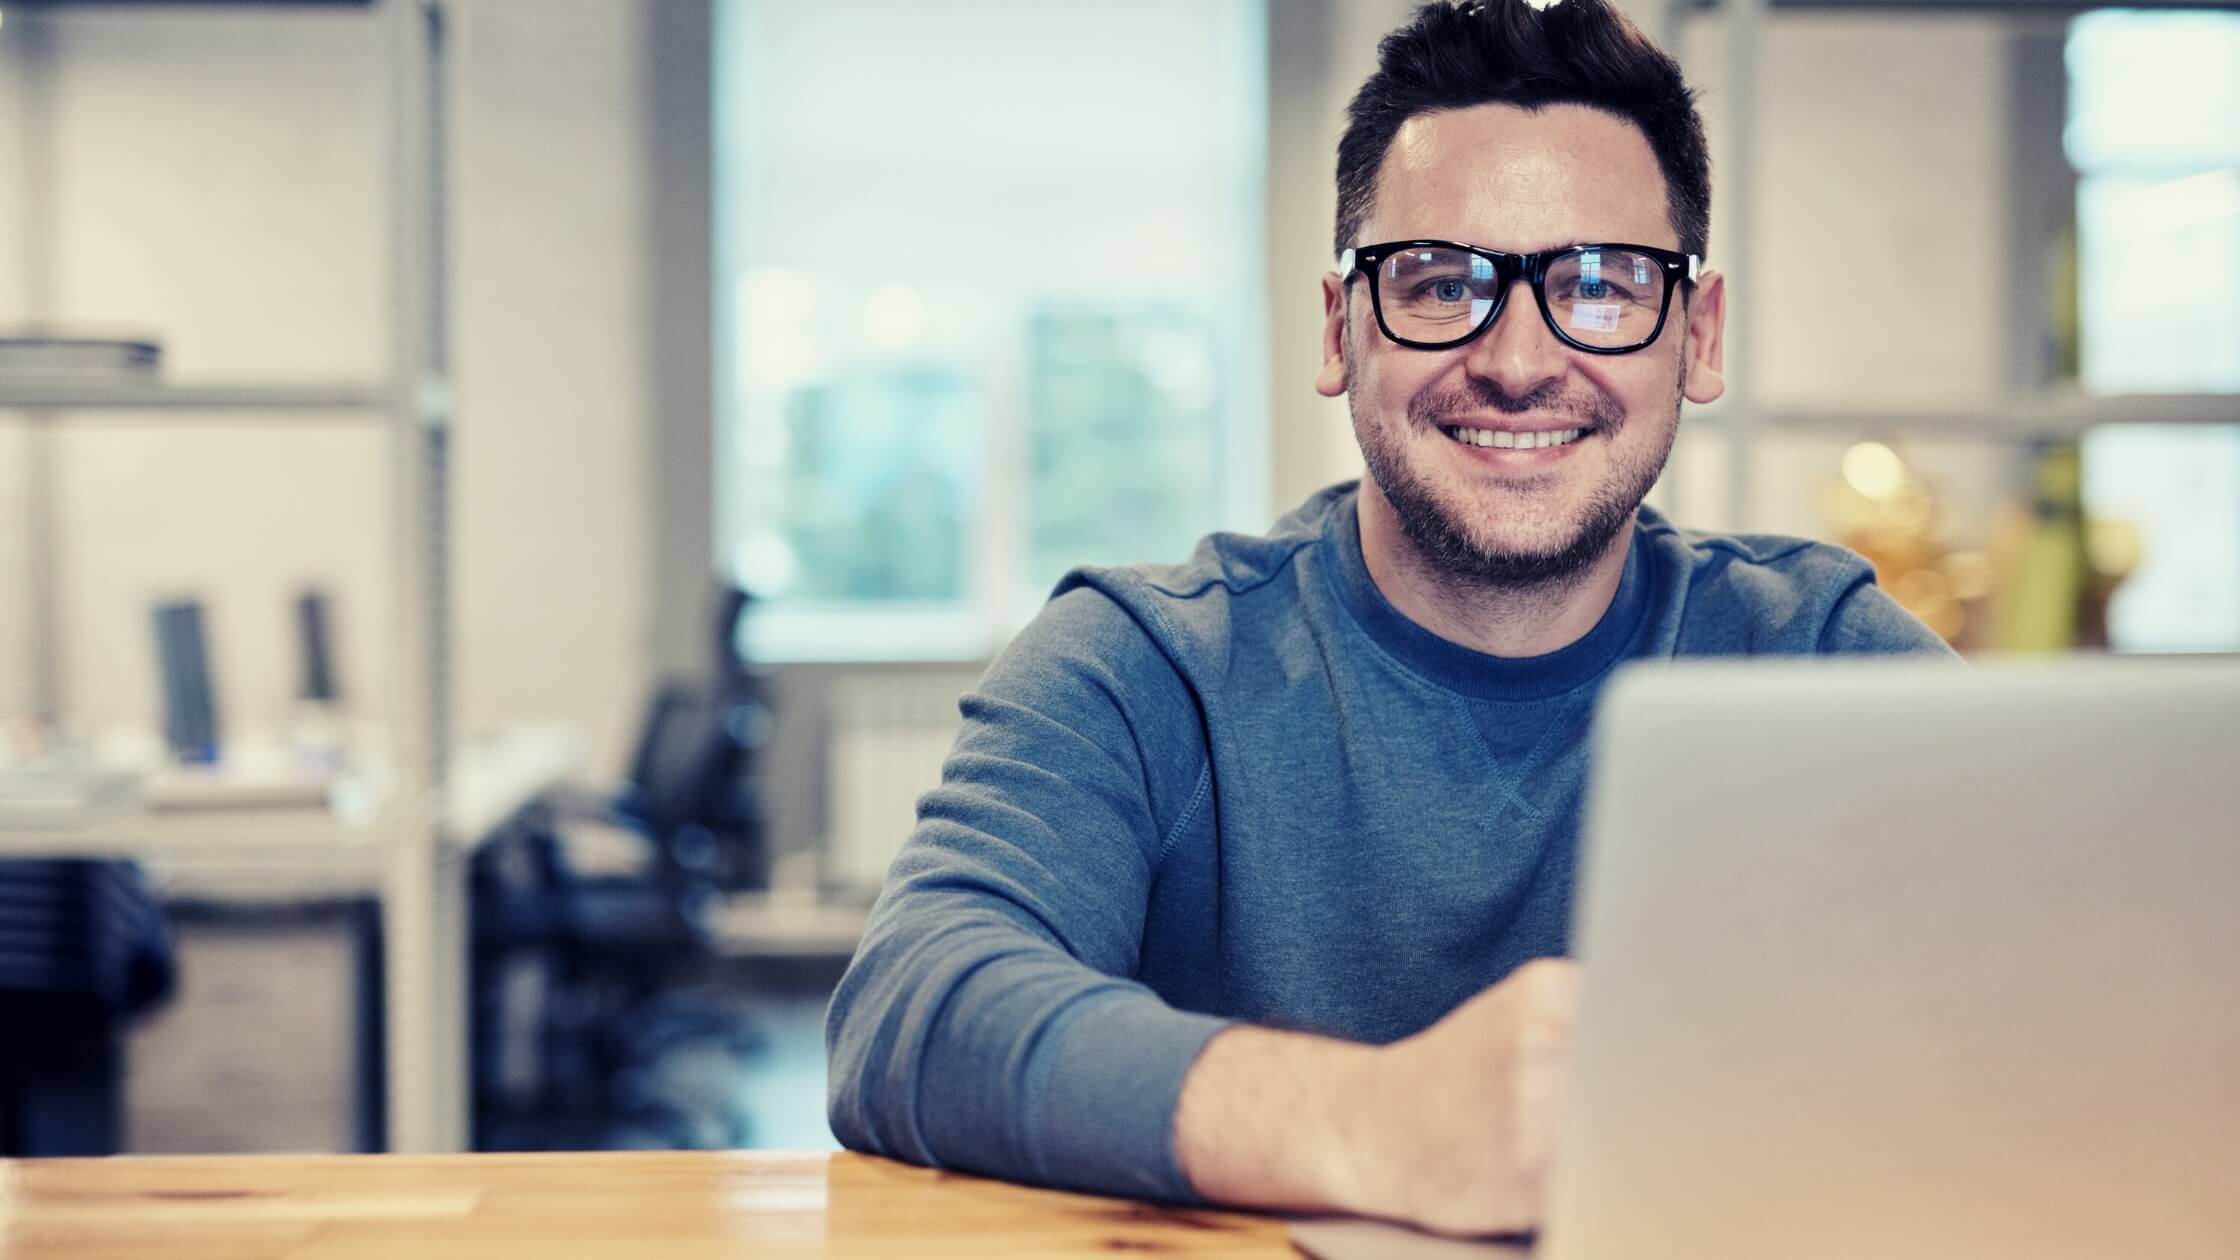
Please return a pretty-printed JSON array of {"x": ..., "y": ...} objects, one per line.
[
  {"x": 678, "y": 1205},
  {"x": 783, "y": 925},
  {"x": 285, "y": 855}
]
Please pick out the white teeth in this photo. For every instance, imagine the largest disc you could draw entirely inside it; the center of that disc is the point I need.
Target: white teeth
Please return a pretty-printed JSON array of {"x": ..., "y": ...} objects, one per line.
[{"x": 1507, "y": 440}]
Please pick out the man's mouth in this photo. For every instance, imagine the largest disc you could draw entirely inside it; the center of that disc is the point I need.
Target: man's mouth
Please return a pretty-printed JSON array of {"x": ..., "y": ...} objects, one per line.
[{"x": 1507, "y": 439}]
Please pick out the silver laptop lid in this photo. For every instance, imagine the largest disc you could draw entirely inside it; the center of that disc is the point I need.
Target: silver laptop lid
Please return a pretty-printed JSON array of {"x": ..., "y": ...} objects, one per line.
[{"x": 1907, "y": 960}]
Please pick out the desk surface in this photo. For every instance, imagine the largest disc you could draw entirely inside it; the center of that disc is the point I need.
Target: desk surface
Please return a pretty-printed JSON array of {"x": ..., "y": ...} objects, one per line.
[{"x": 659, "y": 1205}]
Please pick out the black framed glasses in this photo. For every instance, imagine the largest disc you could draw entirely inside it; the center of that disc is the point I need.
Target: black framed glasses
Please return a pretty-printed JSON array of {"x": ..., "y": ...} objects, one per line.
[{"x": 1603, "y": 299}]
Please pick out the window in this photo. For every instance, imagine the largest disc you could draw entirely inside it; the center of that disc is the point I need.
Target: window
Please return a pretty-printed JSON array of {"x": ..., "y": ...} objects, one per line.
[
  {"x": 2179, "y": 487},
  {"x": 991, "y": 275},
  {"x": 2154, "y": 133}
]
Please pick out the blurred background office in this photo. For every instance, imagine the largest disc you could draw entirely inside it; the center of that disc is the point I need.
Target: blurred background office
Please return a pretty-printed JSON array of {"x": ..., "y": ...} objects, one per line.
[{"x": 498, "y": 501}]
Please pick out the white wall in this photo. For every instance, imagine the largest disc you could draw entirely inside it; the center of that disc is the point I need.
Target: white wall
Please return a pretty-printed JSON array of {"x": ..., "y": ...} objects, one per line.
[
  {"x": 1880, "y": 229},
  {"x": 219, "y": 181},
  {"x": 553, "y": 585},
  {"x": 1881, "y": 216},
  {"x": 16, "y": 693}
]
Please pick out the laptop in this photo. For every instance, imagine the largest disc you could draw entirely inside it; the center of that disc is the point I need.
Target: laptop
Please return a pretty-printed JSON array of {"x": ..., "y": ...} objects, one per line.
[{"x": 1898, "y": 959}]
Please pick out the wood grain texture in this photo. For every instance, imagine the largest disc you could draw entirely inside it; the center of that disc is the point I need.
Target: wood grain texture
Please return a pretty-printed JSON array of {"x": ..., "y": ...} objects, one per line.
[{"x": 595, "y": 1206}]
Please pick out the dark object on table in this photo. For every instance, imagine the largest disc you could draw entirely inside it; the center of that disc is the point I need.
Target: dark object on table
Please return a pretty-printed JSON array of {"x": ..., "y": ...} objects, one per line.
[
  {"x": 38, "y": 358},
  {"x": 315, "y": 639},
  {"x": 190, "y": 712}
]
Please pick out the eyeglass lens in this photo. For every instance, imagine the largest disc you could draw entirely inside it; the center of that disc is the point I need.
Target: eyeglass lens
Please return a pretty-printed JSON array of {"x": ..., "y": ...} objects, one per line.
[{"x": 1605, "y": 298}]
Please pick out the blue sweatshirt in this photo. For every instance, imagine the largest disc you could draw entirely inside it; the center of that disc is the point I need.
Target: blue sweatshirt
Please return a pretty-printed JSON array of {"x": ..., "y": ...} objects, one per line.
[{"x": 1247, "y": 788}]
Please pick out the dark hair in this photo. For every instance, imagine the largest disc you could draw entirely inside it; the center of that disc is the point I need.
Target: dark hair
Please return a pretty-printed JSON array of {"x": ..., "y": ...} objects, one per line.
[{"x": 1573, "y": 52}]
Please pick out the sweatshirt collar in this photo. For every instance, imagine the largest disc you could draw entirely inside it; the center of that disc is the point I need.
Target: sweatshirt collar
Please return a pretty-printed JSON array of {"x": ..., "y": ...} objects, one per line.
[{"x": 1465, "y": 670}]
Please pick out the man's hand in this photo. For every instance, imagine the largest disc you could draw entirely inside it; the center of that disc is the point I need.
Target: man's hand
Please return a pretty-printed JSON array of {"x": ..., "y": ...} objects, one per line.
[
  {"x": 1452, "y": 1129},
  {"x": 1457, "y": 1127}
]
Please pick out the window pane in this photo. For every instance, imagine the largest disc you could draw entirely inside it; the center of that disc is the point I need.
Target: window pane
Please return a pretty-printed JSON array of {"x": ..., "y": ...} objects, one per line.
[
  {"x": 879, "y": 469},
  {"x": 2156, "y": 259},
  {"x": 1125, "y": 442},
  {"x": 2178, "y": 487},
  {"x": 2155, "y": 90},
  {"x": 2154, "y": 128}
]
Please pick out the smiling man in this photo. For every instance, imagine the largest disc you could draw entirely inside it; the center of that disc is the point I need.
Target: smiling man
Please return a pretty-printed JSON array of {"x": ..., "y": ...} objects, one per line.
[{"x": 1249, "y": 879}]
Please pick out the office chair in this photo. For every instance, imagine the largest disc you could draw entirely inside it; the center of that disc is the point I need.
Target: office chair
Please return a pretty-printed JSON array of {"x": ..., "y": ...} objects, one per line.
[{"x": 585, "y": 1016}]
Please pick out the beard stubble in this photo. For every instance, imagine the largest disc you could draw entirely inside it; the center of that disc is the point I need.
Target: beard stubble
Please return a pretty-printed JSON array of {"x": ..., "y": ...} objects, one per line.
[{"x": 1449, "y": 548}]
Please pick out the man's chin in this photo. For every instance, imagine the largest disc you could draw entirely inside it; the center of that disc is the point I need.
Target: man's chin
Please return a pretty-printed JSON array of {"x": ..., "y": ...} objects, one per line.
[
  {"x": 1521, "y": 533},
  {"x": 1535, "y": 563},
  {"x": 1519, "y": 555},
  {"x": 1525, "y": 551}
]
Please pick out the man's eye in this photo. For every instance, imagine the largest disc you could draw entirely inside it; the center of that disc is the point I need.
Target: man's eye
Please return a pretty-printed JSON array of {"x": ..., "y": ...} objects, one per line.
[
  {"x": 1593, "y": 291},
  {"x": 1449, "y": 290}
]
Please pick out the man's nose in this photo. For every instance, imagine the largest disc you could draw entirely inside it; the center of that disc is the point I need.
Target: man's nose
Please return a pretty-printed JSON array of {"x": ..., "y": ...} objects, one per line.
[{"x": 1519, "y": 353}]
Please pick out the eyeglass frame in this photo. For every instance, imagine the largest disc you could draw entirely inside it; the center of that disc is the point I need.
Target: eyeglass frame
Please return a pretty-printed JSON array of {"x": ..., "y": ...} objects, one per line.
[{"x": 1507, "y": 270}]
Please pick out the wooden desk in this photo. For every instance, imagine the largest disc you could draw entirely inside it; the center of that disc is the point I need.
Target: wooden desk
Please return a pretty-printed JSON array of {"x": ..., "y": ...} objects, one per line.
[{"x": 603, "y": 1206}]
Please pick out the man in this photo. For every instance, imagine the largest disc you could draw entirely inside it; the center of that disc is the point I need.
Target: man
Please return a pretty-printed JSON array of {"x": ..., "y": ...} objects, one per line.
[{"x": 1249, "y": 878}]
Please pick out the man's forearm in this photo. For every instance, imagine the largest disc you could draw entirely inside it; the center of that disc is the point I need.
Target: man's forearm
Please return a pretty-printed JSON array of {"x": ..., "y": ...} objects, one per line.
[
  {"x": 1269, "y": 1119},
  {"x": 1451, "y": 1129}
]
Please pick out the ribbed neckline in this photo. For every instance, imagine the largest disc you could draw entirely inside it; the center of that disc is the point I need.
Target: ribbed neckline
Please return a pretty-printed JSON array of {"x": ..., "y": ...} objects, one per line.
[{"x": 1465, "y": 670}]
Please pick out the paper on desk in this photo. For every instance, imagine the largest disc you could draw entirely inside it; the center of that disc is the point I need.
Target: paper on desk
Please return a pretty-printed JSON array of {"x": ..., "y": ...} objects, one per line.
[{"x": 63, "y": 798}]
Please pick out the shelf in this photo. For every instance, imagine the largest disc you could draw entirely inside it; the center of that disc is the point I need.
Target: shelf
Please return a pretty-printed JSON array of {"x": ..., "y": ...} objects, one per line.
[
  {"x": 277, "y": 837},
  {"x": 492, "y": 780},
  {"x": 2018, "y": 419},
  {"x": 35, "y": 6},
  {"x": 191, "y": 397}
]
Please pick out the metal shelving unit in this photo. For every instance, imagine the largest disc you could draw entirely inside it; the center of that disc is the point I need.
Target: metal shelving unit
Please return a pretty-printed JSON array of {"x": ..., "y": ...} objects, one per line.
[
  {"x": 411, "y": 853},
  {"x": 213, "y": 401}
]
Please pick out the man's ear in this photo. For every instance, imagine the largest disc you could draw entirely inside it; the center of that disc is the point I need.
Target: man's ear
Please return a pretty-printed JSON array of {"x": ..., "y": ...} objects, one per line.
[
  {"x": 1330, "y": 382},
  {"x": 1705, "y": 348}
]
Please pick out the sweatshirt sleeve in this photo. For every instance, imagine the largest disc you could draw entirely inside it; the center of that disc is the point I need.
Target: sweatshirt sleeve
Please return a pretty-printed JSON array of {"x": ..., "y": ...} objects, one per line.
[
  {"x": 1867, "y": 620},
  {"x": 988, "y": 1021}
]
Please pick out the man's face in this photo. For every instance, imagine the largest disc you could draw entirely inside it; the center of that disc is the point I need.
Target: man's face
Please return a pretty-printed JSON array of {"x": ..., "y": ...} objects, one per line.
[{"x": 1503, "y": 178}]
